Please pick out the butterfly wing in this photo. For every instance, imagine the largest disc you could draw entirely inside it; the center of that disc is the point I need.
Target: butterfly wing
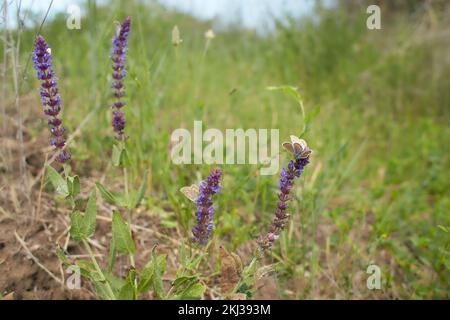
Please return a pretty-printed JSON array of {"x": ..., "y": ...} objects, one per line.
[
  {"x": 299, "y": 144},
  {"x": 288, "y": 147},
  {"x": 306, "y": 153},
  {"x": 191, "y": 192}
]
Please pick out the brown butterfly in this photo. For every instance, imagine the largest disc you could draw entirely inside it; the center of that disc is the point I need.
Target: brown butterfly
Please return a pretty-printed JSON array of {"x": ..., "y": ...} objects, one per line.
[
  {"x": 298, "y": 147},
  {"x": 230, "y": 270},
  {"x": 191, "y": 192}
]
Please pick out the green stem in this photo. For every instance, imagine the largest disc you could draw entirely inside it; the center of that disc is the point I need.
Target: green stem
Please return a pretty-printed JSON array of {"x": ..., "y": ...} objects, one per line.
[
  {"x": 127, "y": 196},
  {"x": 125, "y": 180},
  {"x": 97, "y": 267}
]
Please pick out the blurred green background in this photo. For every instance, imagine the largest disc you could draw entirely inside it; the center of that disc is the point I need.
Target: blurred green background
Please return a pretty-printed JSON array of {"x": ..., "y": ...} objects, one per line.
[{"x": 377, "y": 188}]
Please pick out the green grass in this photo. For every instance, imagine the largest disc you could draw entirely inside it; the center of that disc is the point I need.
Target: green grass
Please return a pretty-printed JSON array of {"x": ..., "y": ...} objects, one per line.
[{"x": 377, "y": 188}]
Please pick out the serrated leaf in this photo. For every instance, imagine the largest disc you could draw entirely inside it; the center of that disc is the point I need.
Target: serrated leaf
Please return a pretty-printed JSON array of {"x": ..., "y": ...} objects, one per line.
[
  {"x": 122, "y": 235},
  {"x": 141, "y": 192},
  {"x": 90, "y": 217},
  {"x": 76, "y": 226},
  {"x": 57, "y": 181}
]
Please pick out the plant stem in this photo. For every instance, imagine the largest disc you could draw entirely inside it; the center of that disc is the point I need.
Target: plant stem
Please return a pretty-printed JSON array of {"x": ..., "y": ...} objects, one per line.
[
  {"x": 131, "y": 256},
  {"x": 97, "y": 267},
  {"x": 127, "y": 196}
]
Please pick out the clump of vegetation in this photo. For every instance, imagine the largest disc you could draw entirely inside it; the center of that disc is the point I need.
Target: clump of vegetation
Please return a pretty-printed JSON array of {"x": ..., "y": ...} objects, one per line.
[
  {"x": 82, "y": 225},
  {"x": 375, "y": 192}
]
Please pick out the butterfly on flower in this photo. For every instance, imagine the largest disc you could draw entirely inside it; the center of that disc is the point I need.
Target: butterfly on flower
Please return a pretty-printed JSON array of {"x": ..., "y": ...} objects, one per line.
[
  {"x": 191, "y": 192},
  {"x": 298, "y": 147}
]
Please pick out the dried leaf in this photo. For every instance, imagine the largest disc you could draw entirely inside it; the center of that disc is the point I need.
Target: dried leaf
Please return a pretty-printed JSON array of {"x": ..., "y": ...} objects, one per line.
[{"x": 230, "y": 271}]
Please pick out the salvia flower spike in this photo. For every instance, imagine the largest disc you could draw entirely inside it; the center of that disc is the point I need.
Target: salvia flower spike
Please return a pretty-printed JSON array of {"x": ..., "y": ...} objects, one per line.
[
  {"x": 118, "y": 56},
  {"x": 205, "y": 207},
  {"x": 287, "y": 177},
  {"x": 42, "y": 59}
]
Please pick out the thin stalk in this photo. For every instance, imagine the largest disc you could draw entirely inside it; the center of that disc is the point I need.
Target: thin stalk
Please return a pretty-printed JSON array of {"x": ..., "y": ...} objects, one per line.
[
  {"x": 125, "y": 181},
  {"x": 7, "y": 151},
  {"x": 97, "y": 267},
  {"x": 127, "y": 196},
  {"x": 15, "y": 47},
  {"x": 5, "y": 57}
]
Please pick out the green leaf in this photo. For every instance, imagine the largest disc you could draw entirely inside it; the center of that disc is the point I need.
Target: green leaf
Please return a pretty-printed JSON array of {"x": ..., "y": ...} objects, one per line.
[
  {"x": 158, "y": 286},
  {"x": 116, "y": 283},
  {"x": 87, "y": 268},
  {"x": 97, "y": 277},
  {"x": 83, "y": 227},
  {"x": 107, "y": 196},
  {"x": 125, "y": 159},
  {"x": 182, "y": 281},
  {"x": 62, "y": 257},
  {"x": 111, "y": 255},
  {"x": 127, "y": 291},
  {"x": 183, "y": 255},
  {"x": 311, "y": 115},
  {"x": 77, "y": 226},
  {"x": 140, "y": 195},
  {"x": 73, "y": 185},
  {"x": 443, "y": 228},
  {"x": 90, "y": 217},
  {"x": 117, "y": 155},
  {"x": 289, "y": 90},
  {"x": 57, "y": 181},
  {"x": 194, "y": 291},
  {"x": 146, "y": 279},
  {"x": 122, "y": 235},
  {"x": 248, "y": 274}
]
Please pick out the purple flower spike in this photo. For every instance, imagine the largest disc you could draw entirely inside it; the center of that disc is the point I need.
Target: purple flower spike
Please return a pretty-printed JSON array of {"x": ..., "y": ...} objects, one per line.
[
  {"x": 287, "y": 177},
  {"x": 205, "y": 208},
  {"x": 118, "y": 56},
  {"x": 42, "y": 59}
]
